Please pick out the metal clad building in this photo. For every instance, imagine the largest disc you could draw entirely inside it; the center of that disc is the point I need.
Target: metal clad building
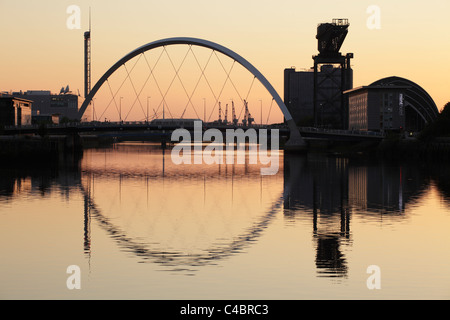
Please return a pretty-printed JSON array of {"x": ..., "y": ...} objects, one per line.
[{"x": 298, "y": 95}]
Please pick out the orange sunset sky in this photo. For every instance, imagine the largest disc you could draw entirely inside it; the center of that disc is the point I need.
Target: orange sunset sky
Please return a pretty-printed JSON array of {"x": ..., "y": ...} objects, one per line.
[{"x": 39, "y": 51}]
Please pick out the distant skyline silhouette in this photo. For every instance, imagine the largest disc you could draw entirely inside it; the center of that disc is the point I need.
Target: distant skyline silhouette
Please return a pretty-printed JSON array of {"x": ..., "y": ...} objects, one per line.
[{"x": 45, "y": 55}]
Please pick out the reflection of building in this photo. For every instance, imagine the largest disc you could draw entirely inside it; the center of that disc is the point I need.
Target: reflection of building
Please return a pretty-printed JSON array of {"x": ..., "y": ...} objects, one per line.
[
  {"x": 15, "y": 111},
  {"x": 320, "y": 185},
  {"x": 47, "y": 104},
  {"x": 327, "y": 191},
  {"x": 357, "y": 186}
]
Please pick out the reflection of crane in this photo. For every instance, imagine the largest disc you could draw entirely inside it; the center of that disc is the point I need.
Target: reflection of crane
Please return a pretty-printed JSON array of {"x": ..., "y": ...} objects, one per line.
[{"x": 235, "y": 120}]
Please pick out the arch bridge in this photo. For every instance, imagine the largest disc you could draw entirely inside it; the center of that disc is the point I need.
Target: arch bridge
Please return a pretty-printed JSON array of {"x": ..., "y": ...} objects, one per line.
[{"x": 295, "y": 143}]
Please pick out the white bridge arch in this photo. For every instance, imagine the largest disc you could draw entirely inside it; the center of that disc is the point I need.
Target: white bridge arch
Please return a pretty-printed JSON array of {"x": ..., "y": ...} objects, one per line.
[{"x": 295, "y": 140}]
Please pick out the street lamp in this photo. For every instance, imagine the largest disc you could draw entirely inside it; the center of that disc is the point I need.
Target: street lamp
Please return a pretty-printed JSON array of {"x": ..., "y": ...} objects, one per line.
[
  {"x": 147, "y": 107},
  {"x": 120, "y": 109},
  {"x": 93, "y": 109},
  {"x": 204, "y": 110},
  {"x": 261, "y": 112}
]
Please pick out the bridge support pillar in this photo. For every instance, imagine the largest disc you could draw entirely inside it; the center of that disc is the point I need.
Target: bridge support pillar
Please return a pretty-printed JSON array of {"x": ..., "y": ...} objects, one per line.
[{"x": 295, "y": 144}]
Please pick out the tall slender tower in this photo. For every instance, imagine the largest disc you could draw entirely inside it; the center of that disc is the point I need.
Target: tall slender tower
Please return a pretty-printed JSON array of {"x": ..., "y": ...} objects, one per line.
[{"x": 87, "y": 59}]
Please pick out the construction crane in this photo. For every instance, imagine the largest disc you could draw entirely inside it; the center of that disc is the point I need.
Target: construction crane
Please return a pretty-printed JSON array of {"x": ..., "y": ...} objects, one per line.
[
  {"x": 235, "y": 120},
  {"x": 226, "y": 114},
  {"x": 247, "y": 116},
  {"x": 220, "y": 113}
]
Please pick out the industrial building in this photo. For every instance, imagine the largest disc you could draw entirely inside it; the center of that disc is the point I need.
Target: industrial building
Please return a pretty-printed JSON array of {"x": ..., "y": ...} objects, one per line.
[
  {"x": 323, "y": 96},
  {"x": 14, "y": 111},
  {"x": 390, "y": 104},
  {"x": 47, "y": 105},
  {"x": 376, "y": 108},
  {"x": 315, "y": 97},
  {"x": 420, "y": 108},
  {"x": 299, "y": 97}
]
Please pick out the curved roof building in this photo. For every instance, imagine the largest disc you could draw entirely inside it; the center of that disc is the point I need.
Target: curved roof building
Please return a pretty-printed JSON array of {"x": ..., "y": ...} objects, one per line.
[{"x": 419, "y": 106}]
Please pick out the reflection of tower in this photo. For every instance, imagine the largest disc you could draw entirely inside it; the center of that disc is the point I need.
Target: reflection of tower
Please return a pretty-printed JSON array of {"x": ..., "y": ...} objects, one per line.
[
  {"x": 87, "y": 218},
  {"x": 320, "y": 185},
  {"x": 329, "y": 259}
]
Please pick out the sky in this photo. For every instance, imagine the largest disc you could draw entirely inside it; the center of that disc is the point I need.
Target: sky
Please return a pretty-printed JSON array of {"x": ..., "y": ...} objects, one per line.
[{"x": 40, "y": 52}]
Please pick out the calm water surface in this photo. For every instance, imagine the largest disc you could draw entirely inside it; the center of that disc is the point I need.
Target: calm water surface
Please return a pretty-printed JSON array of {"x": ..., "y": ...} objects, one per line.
[{"x": 140, "y": 227}]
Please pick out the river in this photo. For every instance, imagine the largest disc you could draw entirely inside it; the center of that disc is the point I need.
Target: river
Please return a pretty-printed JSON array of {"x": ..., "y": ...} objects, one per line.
[{"x": 139, "y": 226}]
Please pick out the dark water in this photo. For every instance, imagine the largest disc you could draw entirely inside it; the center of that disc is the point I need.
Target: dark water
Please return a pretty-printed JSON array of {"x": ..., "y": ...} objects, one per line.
[{"x": 140, "y": 227}]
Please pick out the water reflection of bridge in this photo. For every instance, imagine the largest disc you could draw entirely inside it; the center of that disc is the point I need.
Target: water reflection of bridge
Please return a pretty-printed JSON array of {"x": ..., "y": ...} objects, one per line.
[
  {"x": 162, "y": 175},
  {"x": 326, "y": 192}
]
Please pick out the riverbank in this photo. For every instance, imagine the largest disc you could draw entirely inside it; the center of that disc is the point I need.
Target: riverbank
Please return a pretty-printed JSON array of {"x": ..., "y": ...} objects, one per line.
[
  {"x": 393, "y": 148},
  {"x": 33, "y": 149},
  {"x": 37, "y": 149}
]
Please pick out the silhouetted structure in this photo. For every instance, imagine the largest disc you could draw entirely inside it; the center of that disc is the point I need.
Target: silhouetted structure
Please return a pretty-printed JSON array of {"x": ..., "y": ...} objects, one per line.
[
  {"x": 330, "y": 105},
  {"x": 315, "y": 96},
  {"x": 391, "y": 103},
  {"x": 299, "y": 95},
  {"x": 420, "y": 108},
  {"x": 376, "y": 108},
  {"x": 47, "y": 104},
  {"x": 15, "y": 111}
]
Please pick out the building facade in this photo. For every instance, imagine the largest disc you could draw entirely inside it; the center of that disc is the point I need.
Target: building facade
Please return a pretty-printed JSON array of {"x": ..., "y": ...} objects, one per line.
[
  {"x": 376, "y": 108},
  {"x": 329, "y": 105},
  {"x": 48, "y": 105},
  {"x": 419, "y": 107},
  {"x": 15, "y": 111},
  {"x": 299, "y": 95}
]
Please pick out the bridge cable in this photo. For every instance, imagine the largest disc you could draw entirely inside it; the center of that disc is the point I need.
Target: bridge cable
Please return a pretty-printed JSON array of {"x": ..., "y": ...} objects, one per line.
[
  {"x": 143, "y": 86},
  {"x": 237, "y": 91},
  {"x": 203, "y": 73},
  {"x": 114, "y": 94},
  {"x": 195, "y": 88},
  {"x": 156, "y": 81},
  {"x": 223, "y": 87},
  {"x": 135, "y": 92},
  {"x": 181, "y": 81},
  {"x": 151, "y": 74},
  {"x": 270, "y": 108},
  {"x": 246, "y": 98},
  {"x": 173, "y": 79}
]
